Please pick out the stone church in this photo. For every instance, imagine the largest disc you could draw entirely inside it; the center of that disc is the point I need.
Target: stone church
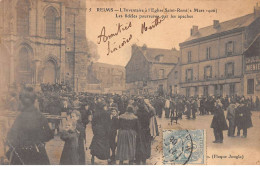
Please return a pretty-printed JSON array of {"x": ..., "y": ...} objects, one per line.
[{"x": 43, "y": 41}]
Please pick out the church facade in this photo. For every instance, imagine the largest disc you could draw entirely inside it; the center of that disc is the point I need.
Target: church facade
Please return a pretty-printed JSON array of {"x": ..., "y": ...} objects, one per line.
[{"x": 43, "y": 41}]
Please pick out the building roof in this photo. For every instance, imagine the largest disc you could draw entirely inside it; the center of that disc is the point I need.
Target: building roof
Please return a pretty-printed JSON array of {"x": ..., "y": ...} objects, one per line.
[
  {"x": 168, "y": 56},
  {"x": 108, "y": 65},
  {"x": 251, "y": 45},
  {"x": 225, "y": 26}
]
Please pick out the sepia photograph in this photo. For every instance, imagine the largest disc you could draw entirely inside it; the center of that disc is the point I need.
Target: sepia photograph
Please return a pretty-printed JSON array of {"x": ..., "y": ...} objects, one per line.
[{"x": 128, "y": 82}]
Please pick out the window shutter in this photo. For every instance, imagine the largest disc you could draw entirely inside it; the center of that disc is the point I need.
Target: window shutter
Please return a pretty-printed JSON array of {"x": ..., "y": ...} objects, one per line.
[
  {"x": 204, "y": 72},
  {"x": 233, "y": 69},
  {"x": 226, "y": 67},
  {"x": 233, "y": 47},
  {"x": 191, "y": 74},
  {"x": 210, "y": 71},
  {"x": 206, "y": 53},
  {"x": 186, "y": 75},
  {"x": 226, "y": 49}
]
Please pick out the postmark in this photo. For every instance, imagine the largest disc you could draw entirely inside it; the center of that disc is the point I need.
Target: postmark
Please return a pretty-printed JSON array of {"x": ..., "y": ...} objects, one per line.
[{"x": 183, "y": 147}]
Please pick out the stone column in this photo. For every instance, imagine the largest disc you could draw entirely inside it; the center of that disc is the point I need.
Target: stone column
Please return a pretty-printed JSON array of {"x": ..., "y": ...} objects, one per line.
[{"x": 36, "y": 71}]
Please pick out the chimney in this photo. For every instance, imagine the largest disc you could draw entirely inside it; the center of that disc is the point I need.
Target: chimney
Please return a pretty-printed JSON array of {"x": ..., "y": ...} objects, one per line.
[
  {"x": 194, "y": 30},
  {"x": 215, "y": 23},
  {"x": 134, "y": 46},
  {"x": 257, "y": 10}
]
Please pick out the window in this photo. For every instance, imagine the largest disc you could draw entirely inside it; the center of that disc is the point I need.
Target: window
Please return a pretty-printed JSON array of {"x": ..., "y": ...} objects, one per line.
[
  {"x": 161, "y": 73},
  {"x": 232, "y": 89},
  {"x": 23, "y": 60},
  {"x": 189, "y": 56},
  {"x": 23, "y": 7},
  {"x": 189, "y": 75},
  {"x": 51, "y": 24},
  {"x": 216, "y": 90},
  {"x": 221, "y": 90},
  {"x": 159, "y": 58},
  {"x": 229, "y": 69},
  {"x": 176, "y": 74},
  {"x": 250, "y": 86},
  {"x": 208, "y": 52},
  {"x": 205, "y": 90},
  {"x": 207, "y": 72},
  {"x": 188, "y": 91},
  {"x": 229, "y": 48}
]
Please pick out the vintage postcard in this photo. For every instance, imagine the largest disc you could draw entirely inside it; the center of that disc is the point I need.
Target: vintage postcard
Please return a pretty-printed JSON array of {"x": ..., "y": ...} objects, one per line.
[{"x": 129, "y": 82}]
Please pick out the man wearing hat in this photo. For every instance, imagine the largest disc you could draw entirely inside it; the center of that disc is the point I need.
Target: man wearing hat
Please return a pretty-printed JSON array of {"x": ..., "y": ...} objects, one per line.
[
  {"x": 218, "y": 122},
  {"x": 243, "y": 118},
  {"x": 231, "y": 118}
]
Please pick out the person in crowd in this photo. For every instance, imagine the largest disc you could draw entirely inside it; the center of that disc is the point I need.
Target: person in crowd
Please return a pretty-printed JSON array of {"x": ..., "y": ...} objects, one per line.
[
  {"x": 257, "y": 103},
  {"x": 243, "y": 118},
  {"x": 65, "y": 105},
  {"x": 70, "y": 152},
  {"x": 167, "y": 106},
  {"x": 194, "y": 108},
  {"x": 113, "y": 133},
  {"x": 188, "y": 109},
  {"x": 202, "y": 107},
  {"x": 231, "y": 111},
  {"x": 218, "y": 123},
  {"x": 180, "y": 108},
  {"x": 28, "y": 134},
  {"x": 76, "y": 103},
  {"x": 112, "y": 104},
  {"x": 76, "y": 117},
  {"x": 143, "y": 146},
  {"x": 159, "y": 103},
  {"x": 100, "y": 146},
  {"x": 85, "y": 113},
  {"x": 127, "y": 136}
]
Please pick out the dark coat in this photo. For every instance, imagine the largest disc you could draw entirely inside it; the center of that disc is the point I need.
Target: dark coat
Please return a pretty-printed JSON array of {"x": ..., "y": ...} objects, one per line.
[
  {"x": 84, "y": 116},
  {"x": 28, "y": 136},
  {"x": 101, "y": 128},
  {"x": 243, "y": 117},
  {"x": 70, "y": 155},
  {"x": 113, "y": 132},
  {"x": 143, "y": 142},
  {"x": 81, "y": 141},
  {"x": 219, "y": 121}
]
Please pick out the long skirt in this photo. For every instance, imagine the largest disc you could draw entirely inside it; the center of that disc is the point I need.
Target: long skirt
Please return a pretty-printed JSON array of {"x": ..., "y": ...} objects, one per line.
[{"x": 126, "y": 145}]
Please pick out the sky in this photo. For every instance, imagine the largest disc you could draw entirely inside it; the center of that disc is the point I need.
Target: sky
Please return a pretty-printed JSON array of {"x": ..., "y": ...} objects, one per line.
[{"x": 167, "y": 35}]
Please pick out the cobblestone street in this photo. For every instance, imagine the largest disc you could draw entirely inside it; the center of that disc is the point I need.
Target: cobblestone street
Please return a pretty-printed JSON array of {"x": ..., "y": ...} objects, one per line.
[{"x": 248, "y": 147}]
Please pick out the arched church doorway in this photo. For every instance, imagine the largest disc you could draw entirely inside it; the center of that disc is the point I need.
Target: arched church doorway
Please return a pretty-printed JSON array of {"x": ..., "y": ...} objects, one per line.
[{"x": 50, "y": 72}]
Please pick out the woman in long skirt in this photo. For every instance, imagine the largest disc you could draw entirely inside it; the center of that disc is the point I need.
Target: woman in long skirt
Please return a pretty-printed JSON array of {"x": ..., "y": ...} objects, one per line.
[
  {"x": 101, "y": 127},
  {"x": 127, "y": 134}
]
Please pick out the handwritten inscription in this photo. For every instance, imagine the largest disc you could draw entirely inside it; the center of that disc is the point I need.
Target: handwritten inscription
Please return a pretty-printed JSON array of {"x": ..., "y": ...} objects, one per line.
[
  {"x": 112, "y": 47},
  {"x": 103, "y": 37},
  {"x": 155, "y": 23}
]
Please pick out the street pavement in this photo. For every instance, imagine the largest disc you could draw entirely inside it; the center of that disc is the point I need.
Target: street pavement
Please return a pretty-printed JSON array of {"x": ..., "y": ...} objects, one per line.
[{"x": 242, "y": 150}]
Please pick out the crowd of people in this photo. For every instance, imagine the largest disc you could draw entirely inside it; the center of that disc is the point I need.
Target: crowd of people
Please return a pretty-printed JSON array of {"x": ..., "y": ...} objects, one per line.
[{"x": 123, "y": 126}]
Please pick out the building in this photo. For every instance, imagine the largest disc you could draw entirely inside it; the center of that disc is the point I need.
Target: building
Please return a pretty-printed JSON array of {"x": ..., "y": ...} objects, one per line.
[
  {"x": 43, "y": 41},
  {"x": 148, "y": 68},
  {"x": 111, "y": 77},
  {"x": 252, "y": 69},
  {"x": 212, "y": 57}
]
